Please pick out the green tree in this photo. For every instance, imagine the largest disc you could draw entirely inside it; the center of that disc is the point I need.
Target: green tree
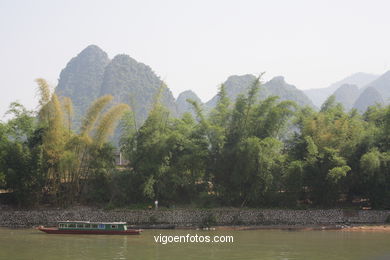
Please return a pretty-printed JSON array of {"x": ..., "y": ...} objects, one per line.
[
  {"x": 21, "y": 156},
  {"x": 326, "y": 147}
]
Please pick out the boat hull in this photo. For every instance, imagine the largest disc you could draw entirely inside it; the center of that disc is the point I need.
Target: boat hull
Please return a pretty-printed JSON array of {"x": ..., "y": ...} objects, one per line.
[{"x": 89, "y": 232}]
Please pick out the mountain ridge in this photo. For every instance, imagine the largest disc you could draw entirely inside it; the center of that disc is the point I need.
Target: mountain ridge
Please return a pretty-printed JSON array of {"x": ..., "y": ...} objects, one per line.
[
  {"x": 319, "y": 95},
  {"x": 91, "y": 74},
  {"x": 369, "y": 97},
  {"x": 277, "y": 86}
]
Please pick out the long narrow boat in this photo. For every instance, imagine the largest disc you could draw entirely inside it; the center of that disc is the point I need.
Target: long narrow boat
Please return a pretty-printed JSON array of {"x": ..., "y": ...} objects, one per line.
[{"x": 93, "y": 228}]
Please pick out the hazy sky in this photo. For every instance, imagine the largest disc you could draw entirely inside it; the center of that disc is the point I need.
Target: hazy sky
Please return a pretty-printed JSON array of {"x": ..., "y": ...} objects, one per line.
[{"x": 194, "y": 44}]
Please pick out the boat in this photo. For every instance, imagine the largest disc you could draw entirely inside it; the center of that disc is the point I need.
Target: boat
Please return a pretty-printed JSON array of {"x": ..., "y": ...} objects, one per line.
[{"x": 90, "y": 228}]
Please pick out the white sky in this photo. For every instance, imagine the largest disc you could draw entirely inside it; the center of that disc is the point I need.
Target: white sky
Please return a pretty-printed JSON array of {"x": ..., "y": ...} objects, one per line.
[{"x": 194, "y": 44}]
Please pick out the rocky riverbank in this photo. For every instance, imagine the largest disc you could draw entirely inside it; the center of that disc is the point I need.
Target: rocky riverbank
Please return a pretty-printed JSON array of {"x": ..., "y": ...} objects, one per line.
[{"x": 194, "y": 217}]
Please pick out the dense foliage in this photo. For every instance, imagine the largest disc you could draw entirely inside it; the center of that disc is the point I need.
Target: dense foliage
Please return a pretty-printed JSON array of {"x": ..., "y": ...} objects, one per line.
[
  {"x": 43, "y": 160},
  {"x": 261, "y": 153},
  {"x": 254, "y": 153}
]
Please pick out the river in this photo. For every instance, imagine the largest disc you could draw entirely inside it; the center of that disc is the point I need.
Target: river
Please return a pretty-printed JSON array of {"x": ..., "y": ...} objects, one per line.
[{"x": 256, "y": 244}]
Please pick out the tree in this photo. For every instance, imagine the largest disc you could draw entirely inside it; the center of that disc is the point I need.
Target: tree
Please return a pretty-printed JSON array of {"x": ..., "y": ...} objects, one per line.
[
  {"x": 21, "y": 156},
  {"x": 248, "y": 168},
  {"x": 326, "y": 146}
]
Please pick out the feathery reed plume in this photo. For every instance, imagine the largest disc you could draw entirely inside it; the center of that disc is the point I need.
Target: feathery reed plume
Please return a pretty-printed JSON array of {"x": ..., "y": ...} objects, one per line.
[
  {"x": 251, "y": 97},
  {"x": 198, "y": 111},
  {"x": 57, "y": 115},
  {"x": 108, "y": 122},
  {"x": 53, "y": 139},
  {"x": 68, "y": 108},
  {"x": 157, "y": 97},
  {"x": 44, "y": 91},
  {"x": 93, "y": 113},
  {"x": 44, "y": 98}
]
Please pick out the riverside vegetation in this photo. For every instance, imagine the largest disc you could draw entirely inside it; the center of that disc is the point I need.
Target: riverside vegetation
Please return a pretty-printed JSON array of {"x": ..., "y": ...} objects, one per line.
[{"x": 250, "y": 153}]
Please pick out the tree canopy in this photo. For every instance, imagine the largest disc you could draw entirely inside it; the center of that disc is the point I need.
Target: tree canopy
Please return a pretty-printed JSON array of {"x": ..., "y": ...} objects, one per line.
[{"x": 248, "y": 152}]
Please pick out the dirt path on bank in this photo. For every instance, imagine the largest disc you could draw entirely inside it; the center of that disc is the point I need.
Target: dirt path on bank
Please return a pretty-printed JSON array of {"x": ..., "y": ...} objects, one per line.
[
  {"x": 344, "y": 228},
  {"x": 368, "y": 228}
]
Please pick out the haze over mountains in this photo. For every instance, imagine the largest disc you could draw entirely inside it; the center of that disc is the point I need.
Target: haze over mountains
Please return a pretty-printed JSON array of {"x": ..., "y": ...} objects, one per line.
[
  {"x": 319, "y": 95},
  {"x": 358, "y": 91},
  {"x": 92, "y": 74},
  {"x": 347, "y": 94},
  {"x": 370, "y": 96}
]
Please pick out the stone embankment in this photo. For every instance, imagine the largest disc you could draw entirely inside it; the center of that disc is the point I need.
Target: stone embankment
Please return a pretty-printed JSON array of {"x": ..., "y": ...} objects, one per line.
[{"x": 193, "y": 217}]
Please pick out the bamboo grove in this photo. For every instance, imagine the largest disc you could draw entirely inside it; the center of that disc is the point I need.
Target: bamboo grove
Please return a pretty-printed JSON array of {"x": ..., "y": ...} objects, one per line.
[
  {"x": 247, "y": 153},
  {"x": 42, "y": 158}
]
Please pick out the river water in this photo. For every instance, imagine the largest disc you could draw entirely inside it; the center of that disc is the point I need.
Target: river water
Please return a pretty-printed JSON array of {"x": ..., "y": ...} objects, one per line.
[{"x": 257, "y": 244}]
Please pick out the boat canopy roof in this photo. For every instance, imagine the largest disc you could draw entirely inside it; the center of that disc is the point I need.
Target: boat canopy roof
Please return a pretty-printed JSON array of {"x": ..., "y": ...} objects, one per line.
[{"x": 88, "y": 222}]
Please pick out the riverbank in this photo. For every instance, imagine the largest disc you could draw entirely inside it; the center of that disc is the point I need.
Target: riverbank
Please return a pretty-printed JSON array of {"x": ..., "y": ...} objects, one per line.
[
  {"x": 355, "y": 227},
  {"x": 193, "y": 218}
]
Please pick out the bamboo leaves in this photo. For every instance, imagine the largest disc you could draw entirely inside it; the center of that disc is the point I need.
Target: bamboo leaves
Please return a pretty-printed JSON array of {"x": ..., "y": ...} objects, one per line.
[
  {"x": 93, "y": 113},
  {"x": 107, "y": 123},
  {"x": 68, "y": 156}
]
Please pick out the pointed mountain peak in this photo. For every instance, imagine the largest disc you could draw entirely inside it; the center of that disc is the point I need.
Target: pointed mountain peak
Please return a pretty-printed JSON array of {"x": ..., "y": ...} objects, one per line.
[
  {"x": 93, "y": 50},
  {"x": 279, "y": 82},
  {"x": 187, "y": 93},
  {"x": 82, "y": 77},
  {"x": 123, "y": 57},
  {"x": 278, "y": 79},
  {"x": 181, "y": 102},
  {"x": 93, "y": 47},
  {"x": 126, "y": 60}
]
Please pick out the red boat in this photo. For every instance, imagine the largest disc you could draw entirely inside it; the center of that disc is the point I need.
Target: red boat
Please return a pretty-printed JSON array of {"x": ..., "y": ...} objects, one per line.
[{"x": 90, "y": 228}]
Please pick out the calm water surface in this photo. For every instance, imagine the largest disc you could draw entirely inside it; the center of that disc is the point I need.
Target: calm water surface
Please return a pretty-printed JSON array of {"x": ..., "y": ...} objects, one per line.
[{"x": 259, "y": 244}]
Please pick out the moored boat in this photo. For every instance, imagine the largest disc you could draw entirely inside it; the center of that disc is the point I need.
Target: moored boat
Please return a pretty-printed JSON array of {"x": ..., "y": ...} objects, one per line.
[{"x": 93, "y": 228}]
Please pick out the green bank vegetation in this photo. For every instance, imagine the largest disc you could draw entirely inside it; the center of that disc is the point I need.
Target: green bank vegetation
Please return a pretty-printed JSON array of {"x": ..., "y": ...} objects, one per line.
[{"x": 252, "y": 153}]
